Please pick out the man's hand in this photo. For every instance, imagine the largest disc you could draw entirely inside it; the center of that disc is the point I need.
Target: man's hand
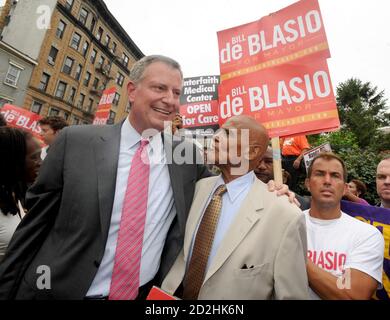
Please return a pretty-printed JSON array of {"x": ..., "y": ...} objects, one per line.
[
  {"x": 283, "y": 190},
  {"x": 297, "y": 163}
]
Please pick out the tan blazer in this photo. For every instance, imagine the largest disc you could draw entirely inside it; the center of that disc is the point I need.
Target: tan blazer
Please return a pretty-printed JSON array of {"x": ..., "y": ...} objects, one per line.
[{"x": 268, "y": 235}]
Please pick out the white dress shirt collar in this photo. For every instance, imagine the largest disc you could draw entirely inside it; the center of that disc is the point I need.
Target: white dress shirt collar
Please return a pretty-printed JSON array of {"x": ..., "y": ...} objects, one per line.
[
  {"x": 130, "y": 137},
  {"x": 237, "y": 186}
]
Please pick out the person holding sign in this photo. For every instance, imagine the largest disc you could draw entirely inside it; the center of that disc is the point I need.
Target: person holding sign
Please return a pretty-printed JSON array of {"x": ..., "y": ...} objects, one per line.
[
  {"x": 293, "y": 150},
  {"x": 345, "y": 254},
  {"x": 241, "y": 241}
]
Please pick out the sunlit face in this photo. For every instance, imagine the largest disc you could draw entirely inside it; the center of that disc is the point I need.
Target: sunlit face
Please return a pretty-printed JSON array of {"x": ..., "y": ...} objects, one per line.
[
  {"x": 48, "y": 134},
  {"x": 33, "y": 159},
  {"x": 326, "y": 183},
  {"x": 155, "y": 98},
  {"x": 383, "y": 180},
  {"x": 265, "y": 169}
]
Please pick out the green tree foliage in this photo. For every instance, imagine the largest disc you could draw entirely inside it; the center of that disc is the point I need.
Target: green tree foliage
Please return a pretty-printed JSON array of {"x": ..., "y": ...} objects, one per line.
[{"x": 362, "y": 110}]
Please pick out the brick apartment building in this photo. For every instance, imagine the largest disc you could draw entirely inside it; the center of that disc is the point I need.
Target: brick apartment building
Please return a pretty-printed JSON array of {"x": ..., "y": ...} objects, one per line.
[{"x": 80, "y": 50}]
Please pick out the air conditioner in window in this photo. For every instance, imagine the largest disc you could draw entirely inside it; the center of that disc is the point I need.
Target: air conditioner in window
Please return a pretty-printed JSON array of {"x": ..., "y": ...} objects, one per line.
[
  {"x": 50, "y": 60},
  {"x": 10, "y": 81}
]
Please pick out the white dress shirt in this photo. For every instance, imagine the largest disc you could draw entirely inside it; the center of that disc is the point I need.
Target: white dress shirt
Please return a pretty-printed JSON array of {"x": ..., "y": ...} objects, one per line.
[
  {"x": 160, "y": 210},
  {"x": 232, "y": 199}
]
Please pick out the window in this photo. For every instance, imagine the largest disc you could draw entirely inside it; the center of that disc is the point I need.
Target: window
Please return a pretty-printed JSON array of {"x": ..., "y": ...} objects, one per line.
[
  {"x": 85, "y": 48},
  {"x": 66, "y": 116},
  {"x": 4, "y": 101},
  {"x": 108, "y": 40},
  {"x": 78, "y": 72},
  {"x": 44, "y": 82},
  {"x": 101, "y": 61},
  {"x": 75, "y": 121},
  {"x": 99, "y": 34},
  {"x": 75, "y": 43},
  {"x": 93, "y": 56},
  {"x": 125, "y": 59},
  {"x": 87, "y": 78},
  {"x": 69, "y": 4},
  {"x": 93, "y": 24},
  {"x": 128, "y": 107},
  {"x": 83, "y": 16},
  {"x": 90, "y": 106},
  {"x": 111, "y": 118},
  {"x": 72, "y": 95},
  {"x": 51, "y": 59},
  {"x": 61, "y": 88},
  {"x": 53, "y": 112},
  {"x": 120, "y": 78},
  {"x": 114, "y": 45},
  {"x": 36, "y": 107},
  {"x": 13, "y": 75},
  {"x": 60, "y": 29},
  {"x": 116, "y": 99},
  {"x": 81, "y": 101},
  {"x": 95, "y": 83},
  {"x": 68, "y": 65}
]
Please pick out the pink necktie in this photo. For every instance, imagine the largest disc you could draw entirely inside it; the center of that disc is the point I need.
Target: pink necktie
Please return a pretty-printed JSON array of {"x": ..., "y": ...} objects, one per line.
[{"x": 125, "y": 276}]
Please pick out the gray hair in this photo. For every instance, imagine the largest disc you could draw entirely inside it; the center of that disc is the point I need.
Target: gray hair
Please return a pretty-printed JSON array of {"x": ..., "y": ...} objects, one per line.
[{"x": 138, "y": 68}]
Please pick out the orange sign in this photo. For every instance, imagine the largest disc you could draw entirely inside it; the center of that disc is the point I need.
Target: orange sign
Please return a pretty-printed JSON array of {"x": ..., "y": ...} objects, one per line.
[
  {"x": 103, "y": 110},
  {"x": 289, "y": 100},
  {"x": 18, "y": 117},
  {"x": 290, "y": 34},
  {"x": 285, "y": 83}
]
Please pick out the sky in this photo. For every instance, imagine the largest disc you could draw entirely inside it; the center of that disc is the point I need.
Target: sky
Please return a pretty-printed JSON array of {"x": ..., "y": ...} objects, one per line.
[{"x": 357, "y": 31}]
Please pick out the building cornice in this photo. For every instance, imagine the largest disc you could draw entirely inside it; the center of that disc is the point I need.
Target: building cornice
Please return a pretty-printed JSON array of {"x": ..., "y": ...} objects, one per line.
[{"x": 21, "y": 55}]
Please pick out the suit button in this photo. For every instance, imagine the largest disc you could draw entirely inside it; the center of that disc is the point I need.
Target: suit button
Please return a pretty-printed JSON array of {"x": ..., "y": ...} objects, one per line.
[{"x": 96, "y": 264}]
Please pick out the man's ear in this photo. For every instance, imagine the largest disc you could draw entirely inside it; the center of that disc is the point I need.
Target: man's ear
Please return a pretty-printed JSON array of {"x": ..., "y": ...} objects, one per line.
[
  {"x": 131, "y": 86},
  {"x": 345, "y": 189}
]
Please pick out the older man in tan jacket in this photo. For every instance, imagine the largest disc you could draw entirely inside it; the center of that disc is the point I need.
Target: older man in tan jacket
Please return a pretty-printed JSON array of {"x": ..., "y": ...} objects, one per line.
[{"x": 241, "y": 241}]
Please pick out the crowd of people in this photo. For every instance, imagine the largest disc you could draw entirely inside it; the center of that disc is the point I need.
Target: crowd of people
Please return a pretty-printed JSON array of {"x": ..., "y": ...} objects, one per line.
[{"x": 114, "y": 210}]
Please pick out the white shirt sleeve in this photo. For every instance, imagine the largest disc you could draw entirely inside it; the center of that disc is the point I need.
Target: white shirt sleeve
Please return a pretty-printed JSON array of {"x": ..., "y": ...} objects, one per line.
[{"x": 367, "y": 253}]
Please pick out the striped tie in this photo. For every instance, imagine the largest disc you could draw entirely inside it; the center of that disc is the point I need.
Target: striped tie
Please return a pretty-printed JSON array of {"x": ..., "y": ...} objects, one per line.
[
  {"x": 203, "y": 242},
  {"x": 125, "y": 276}
]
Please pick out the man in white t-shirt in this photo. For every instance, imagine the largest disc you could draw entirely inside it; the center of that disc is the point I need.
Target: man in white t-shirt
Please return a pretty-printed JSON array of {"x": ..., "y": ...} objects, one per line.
[{"x": 345, "y": 255}]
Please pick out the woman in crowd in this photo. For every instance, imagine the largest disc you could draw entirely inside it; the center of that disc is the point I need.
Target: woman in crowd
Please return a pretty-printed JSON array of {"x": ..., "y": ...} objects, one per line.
[
  {"x": 19, "y": 164},
  {"x": 356, "y": 189}
]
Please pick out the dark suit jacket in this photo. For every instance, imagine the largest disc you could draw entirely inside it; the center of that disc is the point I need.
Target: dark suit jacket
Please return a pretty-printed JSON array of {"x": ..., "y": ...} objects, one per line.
[{"x": 69, "y": 215}]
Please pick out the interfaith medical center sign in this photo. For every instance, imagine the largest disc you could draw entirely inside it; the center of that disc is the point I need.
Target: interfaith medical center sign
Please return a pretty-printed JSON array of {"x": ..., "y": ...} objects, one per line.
[
  {"x": 275, "y": 70},
  {"x": 199, "y": 103}
]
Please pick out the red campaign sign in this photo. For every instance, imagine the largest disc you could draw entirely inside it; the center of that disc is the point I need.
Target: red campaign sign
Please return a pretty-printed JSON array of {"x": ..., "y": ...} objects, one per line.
[
  {"x": 21, "y": 118},
  {"x": 288, "y": 35},
  {"x": 203, "y": 114},
  {"x": 290, "y": 100},
  {"x": 103, "y": 110}
]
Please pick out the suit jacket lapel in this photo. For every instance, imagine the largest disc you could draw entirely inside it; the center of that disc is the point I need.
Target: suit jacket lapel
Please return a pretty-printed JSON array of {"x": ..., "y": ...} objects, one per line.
[
  {"x": 106, "y": 156},
  {"x": 246, "y": 218},
  {"x": 175, "y": 175}
]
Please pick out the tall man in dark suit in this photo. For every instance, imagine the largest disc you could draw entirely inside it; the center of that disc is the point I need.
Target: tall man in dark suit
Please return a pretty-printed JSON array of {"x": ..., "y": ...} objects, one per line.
[{"x": 74, "y": 231}]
